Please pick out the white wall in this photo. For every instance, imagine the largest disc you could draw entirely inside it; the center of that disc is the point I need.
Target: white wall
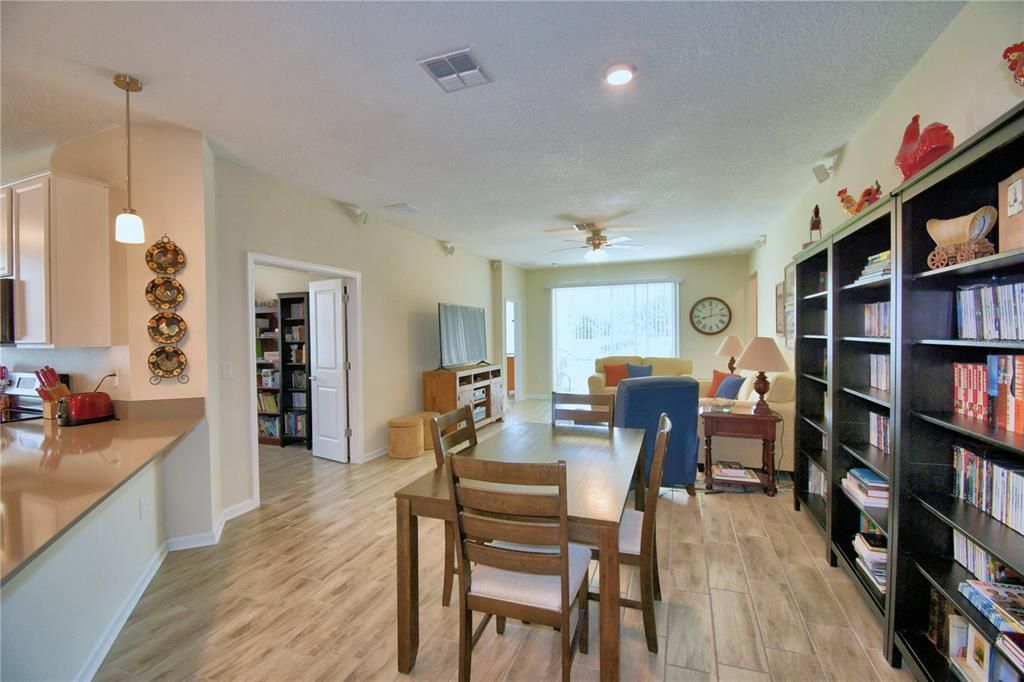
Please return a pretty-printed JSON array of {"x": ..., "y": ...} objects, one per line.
[
  {"x": 960, "y": 81},
  {"x": 724, "y": 277},
  {"x": 404, "y": 276},
  {"x": 269, "y": 281}
]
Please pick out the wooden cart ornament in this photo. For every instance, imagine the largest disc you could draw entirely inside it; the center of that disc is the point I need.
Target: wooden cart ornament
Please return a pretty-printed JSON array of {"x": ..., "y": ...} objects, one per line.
[{"x": 962, "y": 239}]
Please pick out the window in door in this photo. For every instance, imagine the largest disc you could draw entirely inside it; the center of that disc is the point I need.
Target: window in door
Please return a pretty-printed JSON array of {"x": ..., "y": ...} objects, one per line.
[{"x": 590, "y": 322}]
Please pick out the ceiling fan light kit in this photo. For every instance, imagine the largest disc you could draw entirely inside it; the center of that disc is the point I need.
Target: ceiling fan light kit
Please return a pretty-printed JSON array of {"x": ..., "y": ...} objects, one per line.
[
  {"x": 596, "y": 255},
  {"x": 619, "y": 74}
]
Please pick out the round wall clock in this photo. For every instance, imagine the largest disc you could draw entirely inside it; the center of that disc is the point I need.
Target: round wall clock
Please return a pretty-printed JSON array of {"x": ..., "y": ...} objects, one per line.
[{"x": 710, "y": 315}]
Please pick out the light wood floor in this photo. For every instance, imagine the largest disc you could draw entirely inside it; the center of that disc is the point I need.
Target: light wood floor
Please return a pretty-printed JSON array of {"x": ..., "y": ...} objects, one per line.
[{"x": 303, "y": 588}]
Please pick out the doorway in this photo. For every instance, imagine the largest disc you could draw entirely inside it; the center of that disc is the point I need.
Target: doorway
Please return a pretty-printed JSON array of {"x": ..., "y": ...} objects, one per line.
[
  {"x": 512, "y": 345},
  {"x": 309, "y": 347}
]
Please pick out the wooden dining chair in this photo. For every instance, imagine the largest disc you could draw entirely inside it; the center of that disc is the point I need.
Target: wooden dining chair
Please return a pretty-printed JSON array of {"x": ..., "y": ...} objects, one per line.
[
  {"x": 531, "y": 571},
  {"x": 637, "y": 540},
  {"x": 461, "y": 429},
  {"x": 602, "y": 409}
]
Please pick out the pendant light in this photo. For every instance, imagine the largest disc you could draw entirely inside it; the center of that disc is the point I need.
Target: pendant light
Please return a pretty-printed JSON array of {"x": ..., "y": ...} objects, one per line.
[{"x": 128, "y": 226}]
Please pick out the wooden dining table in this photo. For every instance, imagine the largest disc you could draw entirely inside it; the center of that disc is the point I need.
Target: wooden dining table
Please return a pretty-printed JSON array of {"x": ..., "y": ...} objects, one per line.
[{"x": 600, "y": 471}]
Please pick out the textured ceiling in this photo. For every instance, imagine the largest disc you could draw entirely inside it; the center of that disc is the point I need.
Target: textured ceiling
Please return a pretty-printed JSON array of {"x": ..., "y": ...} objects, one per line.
[{"x": 732, "y": 104}]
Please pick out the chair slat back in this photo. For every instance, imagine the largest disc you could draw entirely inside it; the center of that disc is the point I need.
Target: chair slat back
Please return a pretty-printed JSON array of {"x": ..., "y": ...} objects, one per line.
[
  {"x": 654, "y": 484},
  {"x": 450, "y": 421},
  {"x": 536, "y": 514},
  {"x": 602, "y": 408}
]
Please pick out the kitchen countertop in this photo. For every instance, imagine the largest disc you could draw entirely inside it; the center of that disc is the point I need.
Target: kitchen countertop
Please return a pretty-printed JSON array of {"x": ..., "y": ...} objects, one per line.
[{"x": 52, "y": 476}]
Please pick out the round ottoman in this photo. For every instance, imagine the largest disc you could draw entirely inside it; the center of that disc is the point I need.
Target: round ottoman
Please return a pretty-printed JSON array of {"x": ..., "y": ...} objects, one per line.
[
  {"x": 425, "y": 417},
  {"x": 405, "y": 437}
]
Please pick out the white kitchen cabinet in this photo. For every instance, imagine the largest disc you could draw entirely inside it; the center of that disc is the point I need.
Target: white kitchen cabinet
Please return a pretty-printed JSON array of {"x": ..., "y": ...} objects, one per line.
[
  {"x": 6, "y": 241},
  {"x": 61, "y": 262}
]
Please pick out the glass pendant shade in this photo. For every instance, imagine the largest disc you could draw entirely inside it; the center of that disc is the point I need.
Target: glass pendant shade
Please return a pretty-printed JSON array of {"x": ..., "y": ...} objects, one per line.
[
  {"x": 128, "y": 228},
  {"x": 596, "y": 256}
]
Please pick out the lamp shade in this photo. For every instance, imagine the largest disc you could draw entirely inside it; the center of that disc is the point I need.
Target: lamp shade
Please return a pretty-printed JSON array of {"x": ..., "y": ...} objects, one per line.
[
  {"x": 128, "y": 228},
  {"x": 762, "y": 354},
  {"x": 731, "y": 347},
  {"x": 596, "y": 256}
]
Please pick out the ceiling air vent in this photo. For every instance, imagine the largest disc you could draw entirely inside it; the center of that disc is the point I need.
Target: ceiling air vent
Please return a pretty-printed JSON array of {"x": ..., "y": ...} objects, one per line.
[{"x": 454, "y": 71}]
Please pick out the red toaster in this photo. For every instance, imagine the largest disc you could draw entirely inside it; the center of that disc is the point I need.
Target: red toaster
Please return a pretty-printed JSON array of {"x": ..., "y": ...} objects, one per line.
[{"x": 84, "y": 408}]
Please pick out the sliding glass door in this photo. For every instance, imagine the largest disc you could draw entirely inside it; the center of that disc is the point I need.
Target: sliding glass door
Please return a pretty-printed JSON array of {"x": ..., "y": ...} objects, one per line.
[{"x": 590, "y": 322}]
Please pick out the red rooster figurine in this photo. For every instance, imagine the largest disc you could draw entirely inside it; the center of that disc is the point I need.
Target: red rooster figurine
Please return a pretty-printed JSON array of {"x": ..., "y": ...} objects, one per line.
[
  {"x": 1015, "y": 55},
  {"x": 921, "y": 148}
]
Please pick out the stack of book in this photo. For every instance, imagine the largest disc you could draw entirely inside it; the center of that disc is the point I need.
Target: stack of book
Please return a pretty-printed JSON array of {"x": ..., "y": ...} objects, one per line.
[
  {"x": 734, "y": 472},
  {"x": 1001, "y": 603},
  {"x": 295, "y": 424},
  {"x": 866, "y": 488},
  {"x": 993, "y": 485},
  {"x": 876, "y": 319},
  {"x": 979, "y": 562},
  {"x": 269, "y": 378},
  {"x": 878, "y": 431},
  {"x": 872, "y": 557},
  {"x": 879, "y": 363},
  {"x": 991, "y": 312},
  {"x": 1012, "y": 645},
  {"x": 266, "y": 402},
  {"x": 268, "y": 427},
  {"x": 296, "y": 311},
  {"x": 878, "y": 266}
]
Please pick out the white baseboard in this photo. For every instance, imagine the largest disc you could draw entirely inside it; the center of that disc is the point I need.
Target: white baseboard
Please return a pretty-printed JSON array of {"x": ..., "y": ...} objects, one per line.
[
  {"x": 99, "y": 652},
  {"x": 535, "y": 396},
  {"x": 232, "y": 512},
  {"x": 192, "y": 541},
  {"x": 374, "y": 454}
]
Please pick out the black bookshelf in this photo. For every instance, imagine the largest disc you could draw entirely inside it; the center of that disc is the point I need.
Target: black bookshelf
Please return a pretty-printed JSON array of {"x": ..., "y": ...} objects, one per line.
[
  {"x": 296, "y": 393},
  {"x": 922, "y": 345}
]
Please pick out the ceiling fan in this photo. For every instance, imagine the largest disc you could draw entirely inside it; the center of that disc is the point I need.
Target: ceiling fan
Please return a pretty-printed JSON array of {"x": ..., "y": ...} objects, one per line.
[{"x": 597, "y": 242}]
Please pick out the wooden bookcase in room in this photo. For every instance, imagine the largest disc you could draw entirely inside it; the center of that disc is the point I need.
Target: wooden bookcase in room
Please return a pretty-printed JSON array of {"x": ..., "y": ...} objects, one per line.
[
  {"x": 296, "y": 392},
  {"x": 481, "y": 386},
  {"x": 268, "y": 375},
  {"x": 911, "y": 364}
]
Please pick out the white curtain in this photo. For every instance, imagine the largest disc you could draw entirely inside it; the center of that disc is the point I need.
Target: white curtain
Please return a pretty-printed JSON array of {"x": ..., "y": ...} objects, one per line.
[{"x": 589, "y": 322}]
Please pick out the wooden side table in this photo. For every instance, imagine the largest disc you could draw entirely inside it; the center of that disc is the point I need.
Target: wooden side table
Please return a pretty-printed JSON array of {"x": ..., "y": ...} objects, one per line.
[{"x": 742, "y": 423}]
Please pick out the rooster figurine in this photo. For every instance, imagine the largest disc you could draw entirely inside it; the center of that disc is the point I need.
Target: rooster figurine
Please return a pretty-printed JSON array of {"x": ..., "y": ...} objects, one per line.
[
  {"x": 1015, "y": 55},
  {"x": 921, "y": 148},
  {"x": 854, "y": 206}
]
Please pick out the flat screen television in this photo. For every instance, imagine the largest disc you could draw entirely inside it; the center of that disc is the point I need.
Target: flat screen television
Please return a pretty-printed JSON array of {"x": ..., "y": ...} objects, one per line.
[{"x": 463, "y": 334}]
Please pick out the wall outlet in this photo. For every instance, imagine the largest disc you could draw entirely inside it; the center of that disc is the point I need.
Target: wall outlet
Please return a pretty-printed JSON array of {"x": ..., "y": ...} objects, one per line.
[
  {"x": 226, "y": 370},
  {"x": 115, "y": 380}
]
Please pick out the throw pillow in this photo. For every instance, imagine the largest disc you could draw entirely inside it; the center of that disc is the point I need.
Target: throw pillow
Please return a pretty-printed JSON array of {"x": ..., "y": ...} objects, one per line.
[
  {"x": 613, "y": 374},
  {"x": 635, "y": 371},
  {"x": 716, "y": 381},
  {"x": 730, "y": 387}
]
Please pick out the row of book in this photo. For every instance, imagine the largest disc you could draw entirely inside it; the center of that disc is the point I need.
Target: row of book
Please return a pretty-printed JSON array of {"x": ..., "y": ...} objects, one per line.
[
  {"x": 269, "y": 378},
  {"x": 872, "y": 557},
  {"x": 993, "y": 485},
  {"x": 1012, "y": 646},
  {"x": 268, "y": 427},
  {"x": 866, "y": 488},
  {"x": 298, "y": 380},
  {"x": 971, "y": 658},
  {"x": 295, "y": 424},
  {"x": 879, "y": 371},
  {"x": 296, "y": 310},
  {"x": 983, "y": 565},
  {"x": 992, "y": 391},
  {"x": 878, "y": 431},
  {"x": 1001, "y": 603},
  {"x": 991, "y": 312},
  {"x": 266, "y": 402},
  {"x": 878, "y": 266},
  {"x": 295, "y": 333},
  {"x": 816, "y": 480},
  {"x": 298, "y": 400},
  {"x": 263, "y": 325},
  {"x": 876, "y": 319}
]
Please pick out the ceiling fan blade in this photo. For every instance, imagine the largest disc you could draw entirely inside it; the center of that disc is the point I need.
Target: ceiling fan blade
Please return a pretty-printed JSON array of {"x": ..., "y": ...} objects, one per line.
[
  {"x": 571, "y": 248},
  {"x": 624, "y": 246},
  {"x": 560, "y": 229},
  {"x": 618, "y": 240}
]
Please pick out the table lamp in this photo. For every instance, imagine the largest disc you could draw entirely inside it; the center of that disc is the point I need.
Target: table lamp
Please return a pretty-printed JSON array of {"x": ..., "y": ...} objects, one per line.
[
  {"x": 730, "y": 348},
  {"x": 762, "y": 355}
]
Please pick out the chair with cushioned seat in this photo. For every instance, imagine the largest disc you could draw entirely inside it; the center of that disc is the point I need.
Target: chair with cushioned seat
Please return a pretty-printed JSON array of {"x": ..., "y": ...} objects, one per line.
[
  {"x": 640, "y": 402},
  {"x": 637, "y": 540},
  {"x": 515, "y": 558}
]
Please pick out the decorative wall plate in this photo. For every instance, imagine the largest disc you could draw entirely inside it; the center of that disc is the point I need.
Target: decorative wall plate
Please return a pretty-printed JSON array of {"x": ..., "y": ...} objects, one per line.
[
  {"x": 164, "y": 293},
  {"x": 164, "y": 257},
  {"x": 167, "y": 361},
  {"x": 167, "y": 327}
]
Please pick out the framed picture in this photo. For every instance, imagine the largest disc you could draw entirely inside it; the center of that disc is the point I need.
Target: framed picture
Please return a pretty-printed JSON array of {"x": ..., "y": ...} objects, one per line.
[
  {"x": 791, "y": 285},
  {"x": 791, "y": 327},
  {"x": 780, "y": 315}
]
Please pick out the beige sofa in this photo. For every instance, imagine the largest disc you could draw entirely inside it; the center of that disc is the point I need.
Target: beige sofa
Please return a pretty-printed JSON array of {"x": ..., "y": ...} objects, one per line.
[
  {"x": 660, "y": 367},
  {"x": 781, "y": 397}
]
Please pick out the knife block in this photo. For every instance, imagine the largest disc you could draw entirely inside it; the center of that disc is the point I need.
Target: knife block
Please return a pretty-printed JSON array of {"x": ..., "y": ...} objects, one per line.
[{"x": 49, "y": 409}]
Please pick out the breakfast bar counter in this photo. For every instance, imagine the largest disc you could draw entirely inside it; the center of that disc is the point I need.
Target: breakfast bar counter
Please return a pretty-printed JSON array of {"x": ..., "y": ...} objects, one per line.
[{"x": 52, "y": 477}]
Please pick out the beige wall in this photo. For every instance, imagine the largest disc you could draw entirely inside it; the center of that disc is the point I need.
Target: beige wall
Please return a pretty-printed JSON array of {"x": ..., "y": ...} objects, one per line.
[
  {"x": 959, "y": 81},
  {"x": 269, "y": 282},
  {"x": 724, "y": 277},
  {"x": 404, "y": 276}
]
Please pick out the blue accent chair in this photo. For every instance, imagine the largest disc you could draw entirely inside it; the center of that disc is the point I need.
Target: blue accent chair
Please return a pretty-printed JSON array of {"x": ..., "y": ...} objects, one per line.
[{"x": 638, "y": 404}]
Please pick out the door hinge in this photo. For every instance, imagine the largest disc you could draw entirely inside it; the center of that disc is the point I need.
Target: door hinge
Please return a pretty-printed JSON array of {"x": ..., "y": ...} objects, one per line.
[
  {"x": 348, "y": 433},
  {"x": 344, "y": 298},
  {"x": 348, "y": 366}
]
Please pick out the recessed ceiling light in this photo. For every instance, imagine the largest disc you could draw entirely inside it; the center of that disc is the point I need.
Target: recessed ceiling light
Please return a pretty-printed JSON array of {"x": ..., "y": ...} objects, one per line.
[{"x": 619, "y": 74}]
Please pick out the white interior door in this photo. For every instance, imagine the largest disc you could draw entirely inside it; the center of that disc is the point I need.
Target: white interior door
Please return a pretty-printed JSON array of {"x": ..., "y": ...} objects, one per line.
[{"x": 327, "y": 369}]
